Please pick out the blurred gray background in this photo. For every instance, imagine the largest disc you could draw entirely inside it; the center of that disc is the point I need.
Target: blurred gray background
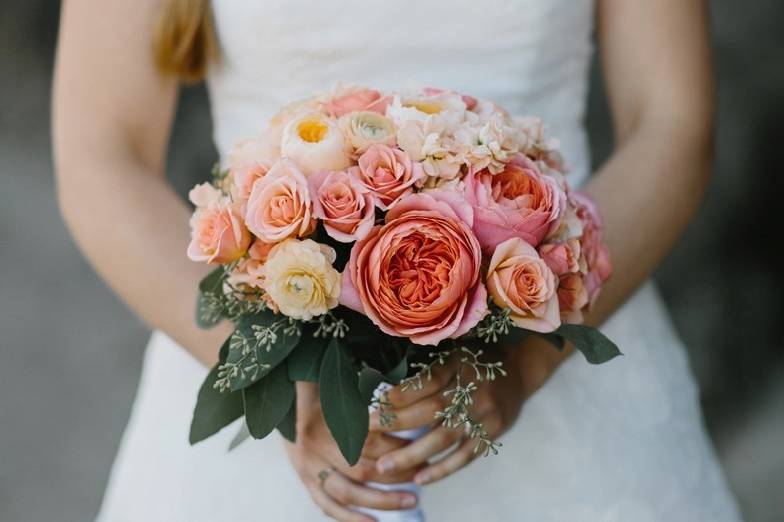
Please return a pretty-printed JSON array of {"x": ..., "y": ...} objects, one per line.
[{"x": 70, "y": 352}]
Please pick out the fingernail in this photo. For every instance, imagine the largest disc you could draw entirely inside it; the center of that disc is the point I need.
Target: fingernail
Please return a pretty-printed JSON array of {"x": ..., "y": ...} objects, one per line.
[
  {"x": 408, "y": 501},
  {"x": 385, "y": 466},
  {"x": 422, "y": 478}
]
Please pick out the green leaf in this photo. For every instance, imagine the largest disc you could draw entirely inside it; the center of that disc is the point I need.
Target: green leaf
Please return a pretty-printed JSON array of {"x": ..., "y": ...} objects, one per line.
[
  {"x": 304, "y": 362},
  {"x": 554, "y": 339},
  {"x": 591, "y": 342},
  {"x": 399, "y": 372},
  {"x": 210, "y": 289},
  {"x": 345, "y": 412},
  {"x": 241, "y": 436},
  {"x": 252, "y": 354},
  {"x": 288, "y": 426},
  {"x": 369, "y": 379},
  {"x": 267, "y": 402},
  {"x": 214, "y": 410}
]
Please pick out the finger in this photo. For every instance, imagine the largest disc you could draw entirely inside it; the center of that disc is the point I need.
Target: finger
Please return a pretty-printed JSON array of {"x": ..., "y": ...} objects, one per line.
[
  {"x": 456, "y": 460},
  {"x": 365, "y": 470},
  {"x": 416, "y": 415},
  {"x": 333, "y": 509},
  {"x": 419, "y": 451},
  {"x": 378, "y": 444},
  {"x": 440, "y": 377},
  {"x": 346, "y": 492}
]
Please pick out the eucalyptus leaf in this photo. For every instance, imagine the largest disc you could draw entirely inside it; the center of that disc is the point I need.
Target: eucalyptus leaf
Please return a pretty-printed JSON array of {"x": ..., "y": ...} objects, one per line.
[
  {"x": 214, "y": 410},
  {"x": 369, "y": 379},
  {"x": 267, "y": 402},
  {"x": 258, "y": 345},
  {"x": 554, "y": 339},
  {"x": 210, "y": 288},
  {"x": 241, "y": 436},
  {"x": 305, "y": 360},
  {"x": 288, "y": 426},
  {"x": 593, "y": 344},
  {"x": 345, "y": 412}
]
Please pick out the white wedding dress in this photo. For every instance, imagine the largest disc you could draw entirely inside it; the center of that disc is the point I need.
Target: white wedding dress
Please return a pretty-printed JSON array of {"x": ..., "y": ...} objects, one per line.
[{"x": 620, "y": 442}]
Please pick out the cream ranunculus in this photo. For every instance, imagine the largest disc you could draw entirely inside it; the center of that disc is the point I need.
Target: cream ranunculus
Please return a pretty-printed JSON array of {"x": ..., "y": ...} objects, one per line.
[
  {"x": 365, "y": 128},
  {"x": 300, "y": 279},
  {"x": 315, "y": 143}
]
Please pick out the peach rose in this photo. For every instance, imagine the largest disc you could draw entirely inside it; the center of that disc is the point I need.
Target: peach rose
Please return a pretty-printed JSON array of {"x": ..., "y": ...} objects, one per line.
[
  {"x": 417, "y": 276},
  {"x": 352, "y": 99},
  {"x": 218, "y": 234},
  {"x": 520, "y": 280},
  {"x": 279, "y": 205},
  {"x": 572, "y": 298},
  {"x": 598, "y": 266},
  {"x": 315, "y": 142},
  {"x": 517, "y": 202},
  {"x": 388, "y": 174},
  {"x": 344, "y": 204},
  {"x": 249, "y": 160}
]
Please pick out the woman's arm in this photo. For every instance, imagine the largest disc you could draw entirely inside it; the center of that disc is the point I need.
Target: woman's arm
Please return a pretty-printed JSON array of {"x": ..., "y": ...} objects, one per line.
[
  {"x": 112, "y": 115},
  {"x": 657, "y": 71}
]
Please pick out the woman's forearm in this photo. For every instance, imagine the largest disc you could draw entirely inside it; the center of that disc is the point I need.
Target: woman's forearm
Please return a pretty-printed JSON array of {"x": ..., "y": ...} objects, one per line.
[{"x": 134, "y": 230}]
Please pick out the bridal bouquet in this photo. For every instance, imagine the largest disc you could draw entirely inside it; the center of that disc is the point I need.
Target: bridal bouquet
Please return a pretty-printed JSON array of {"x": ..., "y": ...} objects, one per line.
[{"x": 364, "y": 238}]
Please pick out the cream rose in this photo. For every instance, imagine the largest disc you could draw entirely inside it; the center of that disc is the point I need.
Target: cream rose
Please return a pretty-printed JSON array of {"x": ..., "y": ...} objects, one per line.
[
  {"x": 365, "y": 128},
  {"x": 300, "y": 279},
  {"x": 315, "y": 143}
]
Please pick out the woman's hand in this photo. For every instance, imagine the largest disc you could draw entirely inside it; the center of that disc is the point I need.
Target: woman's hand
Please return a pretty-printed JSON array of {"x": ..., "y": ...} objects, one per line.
[
  {"x": 496, "y": 405},
  {"x": 332, "y": 483}
]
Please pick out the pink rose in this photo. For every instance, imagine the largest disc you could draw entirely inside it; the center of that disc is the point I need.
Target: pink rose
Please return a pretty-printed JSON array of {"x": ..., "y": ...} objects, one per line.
[
  {"x": 517, "y": 202},
  {"x": 279, "y": 205},
  {"x": 572, "y": 298},
  {"x": 388, "y": 174},
  {"x": 357, "y": 100},
  {"x": 598, "y": 266},
  {"x": 217, "y": 232},
  {"x": 249, "y": 160},
  {"x": 344, "y": 204},
  {"x": 562, "y": 258},
  {"x": 520, "y": 280},
  {"x": 417, "y": 276}
]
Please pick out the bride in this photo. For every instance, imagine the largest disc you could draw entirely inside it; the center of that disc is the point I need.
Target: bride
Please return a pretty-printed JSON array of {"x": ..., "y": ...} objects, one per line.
[{"x": 624, "y": 441}]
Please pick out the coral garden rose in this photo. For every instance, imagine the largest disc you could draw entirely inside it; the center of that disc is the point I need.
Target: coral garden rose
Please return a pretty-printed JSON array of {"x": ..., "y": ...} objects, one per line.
[
  {"x": 218, "y": 234},
  {"x": 518, "y": 202},
  {"x": 348, "y": 99},
  {"x": 300, "y": 280},
  {"x": 279, "y": 205},
  {"x": 388, "y": 173},
  {"x": 598, "y": 266},
  {"x": 520, "y": 280},
  {"x": 364, "y": 129},
  {"x": 344, "y": 204},
  {"x": 314, "y": 141},
  {"x": 418, "y": 275}
]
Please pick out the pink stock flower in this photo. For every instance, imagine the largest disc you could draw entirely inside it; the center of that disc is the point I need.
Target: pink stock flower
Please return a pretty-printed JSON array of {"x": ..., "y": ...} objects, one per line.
[
  {"x": 517, "y": 202},
  {"x": 279, "y": 206},
  {"x": 597, "y": 258},
  {"x": 388, "y": 174},
  {"x": 417, "y": 276},
  {"x": 520, "y": 280},
  {"x": 344, "y": 204},
  {"x": 357, "y": 99},
  {"x": 217, "y": 232}
]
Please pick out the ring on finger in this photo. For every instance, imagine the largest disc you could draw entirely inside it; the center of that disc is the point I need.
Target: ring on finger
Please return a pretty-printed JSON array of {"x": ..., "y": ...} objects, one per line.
[{"x": 324, "y": 474}]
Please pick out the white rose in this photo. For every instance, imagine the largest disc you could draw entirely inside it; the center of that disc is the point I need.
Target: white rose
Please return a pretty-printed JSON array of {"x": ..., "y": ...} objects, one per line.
[
  {"x": 365, "y": 128},
  {"x": 315, "y": 143},
  {"x": 300, "y": 279}
]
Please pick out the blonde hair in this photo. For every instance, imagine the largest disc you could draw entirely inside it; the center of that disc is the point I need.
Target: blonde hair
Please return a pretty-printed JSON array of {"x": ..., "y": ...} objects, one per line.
[{"x": 185, "y": 41}]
